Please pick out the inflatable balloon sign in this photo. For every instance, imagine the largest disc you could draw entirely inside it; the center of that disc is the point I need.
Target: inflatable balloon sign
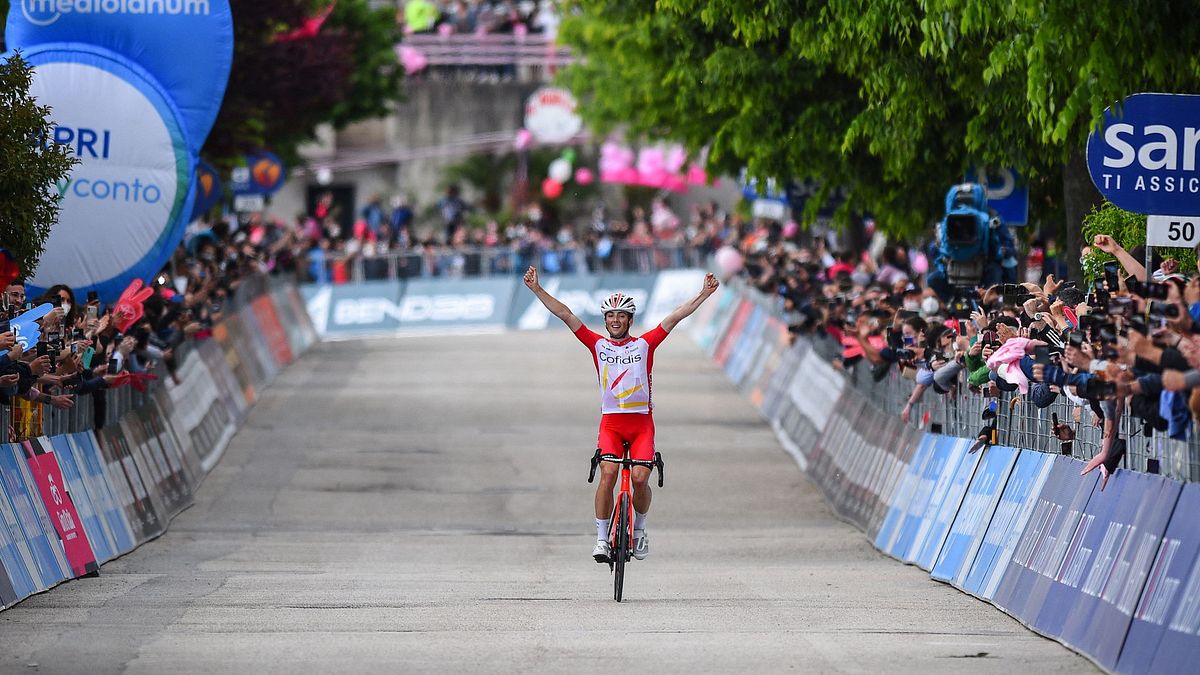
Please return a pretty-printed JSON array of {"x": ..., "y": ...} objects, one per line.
[
  {"x": 186, "y": 46},
  {"x": 584, "y": 176},
  {"x": 125, "y": 206}
]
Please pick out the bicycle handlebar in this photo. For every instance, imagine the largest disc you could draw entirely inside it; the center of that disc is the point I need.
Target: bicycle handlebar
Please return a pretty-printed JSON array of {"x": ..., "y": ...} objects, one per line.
[
  {"x": 656, "y": 463},
  {"x": 595, "y": 463}
]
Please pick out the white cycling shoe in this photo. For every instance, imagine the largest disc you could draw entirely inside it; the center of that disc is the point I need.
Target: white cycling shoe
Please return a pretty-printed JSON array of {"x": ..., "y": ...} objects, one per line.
[
  {"x": 602, "y": 553},
  {"x": 641, "y": 544}
]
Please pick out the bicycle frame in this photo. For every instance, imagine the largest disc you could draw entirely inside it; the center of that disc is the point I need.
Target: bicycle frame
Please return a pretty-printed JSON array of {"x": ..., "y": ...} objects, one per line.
[{"x": 622, "y": 513}]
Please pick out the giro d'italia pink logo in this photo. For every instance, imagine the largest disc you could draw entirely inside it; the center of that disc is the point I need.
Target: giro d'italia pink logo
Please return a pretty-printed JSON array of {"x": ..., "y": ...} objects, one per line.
[{"x": 46, "y": 12}]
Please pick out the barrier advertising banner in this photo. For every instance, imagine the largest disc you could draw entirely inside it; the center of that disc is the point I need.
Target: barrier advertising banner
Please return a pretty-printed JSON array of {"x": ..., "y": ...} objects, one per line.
[
  {"x": 671, "y": 289},
  {"x": 132, "y": 487},
  {"x": 949, "y": 487},
  {"x": 974, "y": 516},
  {"x": 64, "y": 517},
  {"x": 133, "y": 185},
  {"x": 46, "y": 563},
  {"x": 709, "y": 335},
  {"x": 474, "y": 303},
  {"x": 99, "y": 541},
  {"x": 15, "y": 553},
  {"x": 1116, "y": 555},
  {"x": 1164, "y": 635},
  {"x": 8, "y": 595},
  {"x": 900, "y": 507},
  {"x": 1049, "y": 543},
  {"x": 1011, "y": 515},
  {"x": 105, "y": 498}
]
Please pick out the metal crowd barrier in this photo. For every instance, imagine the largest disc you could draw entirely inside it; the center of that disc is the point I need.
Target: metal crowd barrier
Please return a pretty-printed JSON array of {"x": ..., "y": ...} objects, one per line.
[
  {"x": 504, "y": 261},
  {"x": 1023, "y": 425},
  {"x": 25, "y": 419}
]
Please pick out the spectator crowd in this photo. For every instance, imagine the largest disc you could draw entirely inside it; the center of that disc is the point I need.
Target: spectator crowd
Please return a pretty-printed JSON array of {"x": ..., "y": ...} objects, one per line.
[
  {"x": 386, "y": 241},
  {"x": 81, "y": 347},
  {"x": 1125, "y": 343}
]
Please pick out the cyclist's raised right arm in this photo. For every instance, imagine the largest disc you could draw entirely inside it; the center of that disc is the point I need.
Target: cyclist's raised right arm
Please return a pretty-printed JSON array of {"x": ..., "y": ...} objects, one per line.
[{"x": 556, "y": 308}]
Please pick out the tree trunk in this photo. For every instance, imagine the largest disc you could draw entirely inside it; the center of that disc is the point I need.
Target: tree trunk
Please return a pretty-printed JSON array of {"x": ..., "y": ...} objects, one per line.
[{"x": 1080, "y": 196}]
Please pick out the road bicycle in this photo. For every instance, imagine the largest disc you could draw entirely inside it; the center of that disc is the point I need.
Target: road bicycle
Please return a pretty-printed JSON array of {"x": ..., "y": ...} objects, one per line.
[{"x": 620, "y": 534}]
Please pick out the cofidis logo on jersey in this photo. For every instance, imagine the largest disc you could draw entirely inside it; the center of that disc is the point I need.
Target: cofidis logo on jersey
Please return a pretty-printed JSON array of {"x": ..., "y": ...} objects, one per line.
[
  {"x": 1145, "y": 158},
  {"x": 125, "y": 204},
  {"x": 46, "y": 12}
]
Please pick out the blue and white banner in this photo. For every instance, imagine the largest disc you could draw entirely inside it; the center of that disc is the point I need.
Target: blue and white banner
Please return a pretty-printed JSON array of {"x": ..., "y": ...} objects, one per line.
[
  {"x": 1144, "y": 158},
  {"x": 185, "y": 45},
  {"x": 1164, "y": 636},
  {"x": 1007, "y": 523},
  {"x": 125, "y": 206},
  {"x": 974, "y": 516},
  {"x": 81, "y": 498},
  {"x": 948, "y": 490}
]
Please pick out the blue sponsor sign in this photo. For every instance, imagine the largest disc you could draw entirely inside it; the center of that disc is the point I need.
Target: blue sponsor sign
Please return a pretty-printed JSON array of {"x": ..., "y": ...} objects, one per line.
[
  {"x": 81, "y": 497},
  {"x": 8, "y": 595},
  {"x": 974, "y": 515},
  {"x": 1144, "y": 158},
  {"x": 1008, "y": 522},
  {"x": 949, "y": 486},
  {"x": 1114, "y": 560},
  {"x": 47, "y": 570},
  {"x": 14, "y": 550},
  {"x": 901, "y": 505},
  {"x": 209, "y": 190},
  {"x": 1164, "y": 636},
  {"x": 1007, "y": 193},
  {"x": 262, "y": 174},
  {"x": 743, "y": 351},
  {"x": 124, "y": 207},
  {"x": 185, "y": 45},
  {"x": 104, "y": 499},
  {"x": 1049, "y": 545}
]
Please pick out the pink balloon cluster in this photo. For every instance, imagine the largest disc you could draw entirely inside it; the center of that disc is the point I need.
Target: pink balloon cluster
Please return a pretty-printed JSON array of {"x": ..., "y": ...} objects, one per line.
[
  {"x": 413, "y": 60},
  {"x": 659, "y": 166}
]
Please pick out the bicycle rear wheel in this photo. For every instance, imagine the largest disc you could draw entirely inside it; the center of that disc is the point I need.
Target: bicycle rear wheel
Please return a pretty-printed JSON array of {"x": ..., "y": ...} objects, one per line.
[{"x": 621, "y": 551}]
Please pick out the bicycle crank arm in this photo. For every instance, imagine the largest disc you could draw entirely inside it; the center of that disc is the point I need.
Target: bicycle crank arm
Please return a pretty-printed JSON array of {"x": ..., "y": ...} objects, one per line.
[{"x": 595, "y": 463}]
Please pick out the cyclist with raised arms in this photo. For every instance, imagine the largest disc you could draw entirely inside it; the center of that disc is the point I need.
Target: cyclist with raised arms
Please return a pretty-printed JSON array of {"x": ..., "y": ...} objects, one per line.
[{"x": 623, "y": 368}]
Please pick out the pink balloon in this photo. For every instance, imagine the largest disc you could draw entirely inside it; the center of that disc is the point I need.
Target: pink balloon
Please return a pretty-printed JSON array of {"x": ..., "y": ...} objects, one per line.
[
  {"x": 523, "y": 140},
  {"x": 413, "y": 59},
  {"x": 676, "y": 156},
  {"x": 729, "y": 261},
  {"x": 790, "y": 228},
  {"x": 552, "y": 188},
  {"x": 583, "y": 176},
  {"x": 445, "y": 29}
]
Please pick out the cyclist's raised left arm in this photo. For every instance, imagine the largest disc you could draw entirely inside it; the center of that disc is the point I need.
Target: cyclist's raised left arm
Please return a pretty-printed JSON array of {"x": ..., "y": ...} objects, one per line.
[
  {"x": 685, "y": 310},
  {"x": 556, "y": 307}
]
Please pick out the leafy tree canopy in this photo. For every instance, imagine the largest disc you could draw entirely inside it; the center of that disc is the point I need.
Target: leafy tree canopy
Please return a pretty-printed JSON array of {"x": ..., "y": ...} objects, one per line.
[
  {"x": 30, "y": 171},
  {"x": 893, "y": 99}
]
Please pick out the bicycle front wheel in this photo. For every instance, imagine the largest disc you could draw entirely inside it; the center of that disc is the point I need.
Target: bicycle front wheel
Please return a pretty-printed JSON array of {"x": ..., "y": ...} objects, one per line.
[{"x": 621, "y": 551}]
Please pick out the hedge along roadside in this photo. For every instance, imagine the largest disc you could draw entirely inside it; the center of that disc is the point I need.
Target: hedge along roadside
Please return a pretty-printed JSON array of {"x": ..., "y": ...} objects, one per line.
[
  {"x": 69, "y": 503},
  {"x": 1114, "y": 575}
]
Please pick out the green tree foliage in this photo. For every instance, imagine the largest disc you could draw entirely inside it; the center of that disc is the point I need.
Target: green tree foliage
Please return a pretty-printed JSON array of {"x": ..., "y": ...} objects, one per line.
[
  {"x": 30, "y": 170},
  {"x": 279, "y": 92},
  {"x": 893, "y": 99}
]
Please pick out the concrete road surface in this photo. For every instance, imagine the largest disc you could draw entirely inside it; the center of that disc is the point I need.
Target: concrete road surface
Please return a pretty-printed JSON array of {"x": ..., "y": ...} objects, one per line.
[{"x": 420, "y": 505}]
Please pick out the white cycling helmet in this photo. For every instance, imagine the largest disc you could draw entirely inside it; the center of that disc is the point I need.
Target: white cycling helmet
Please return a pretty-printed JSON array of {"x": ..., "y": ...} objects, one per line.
[{"x": 618, "y": 302}]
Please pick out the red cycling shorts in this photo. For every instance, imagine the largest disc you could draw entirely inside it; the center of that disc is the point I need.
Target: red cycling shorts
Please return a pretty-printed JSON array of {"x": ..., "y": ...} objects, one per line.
[{"x": 637, "y": 429}]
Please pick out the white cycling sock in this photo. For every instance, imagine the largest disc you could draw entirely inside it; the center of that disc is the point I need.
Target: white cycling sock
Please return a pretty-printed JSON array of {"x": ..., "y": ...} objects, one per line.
[
  {"x": 602, "y": 529},
  {"x": 639, "y": 520}
]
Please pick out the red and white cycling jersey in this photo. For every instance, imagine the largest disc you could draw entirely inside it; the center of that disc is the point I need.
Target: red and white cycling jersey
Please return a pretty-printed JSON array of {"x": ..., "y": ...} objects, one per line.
[{"x": 623, "y": 368}]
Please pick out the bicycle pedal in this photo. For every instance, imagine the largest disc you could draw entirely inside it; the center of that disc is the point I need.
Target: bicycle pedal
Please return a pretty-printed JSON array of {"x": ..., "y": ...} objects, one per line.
[{"x": 602, "y": 559}]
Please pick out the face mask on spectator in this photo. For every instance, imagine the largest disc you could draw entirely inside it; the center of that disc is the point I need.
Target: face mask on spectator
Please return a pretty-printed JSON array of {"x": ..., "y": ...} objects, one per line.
[
  {"x": 66, "y": 308},
  {"x": 929, "y": 306}
]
